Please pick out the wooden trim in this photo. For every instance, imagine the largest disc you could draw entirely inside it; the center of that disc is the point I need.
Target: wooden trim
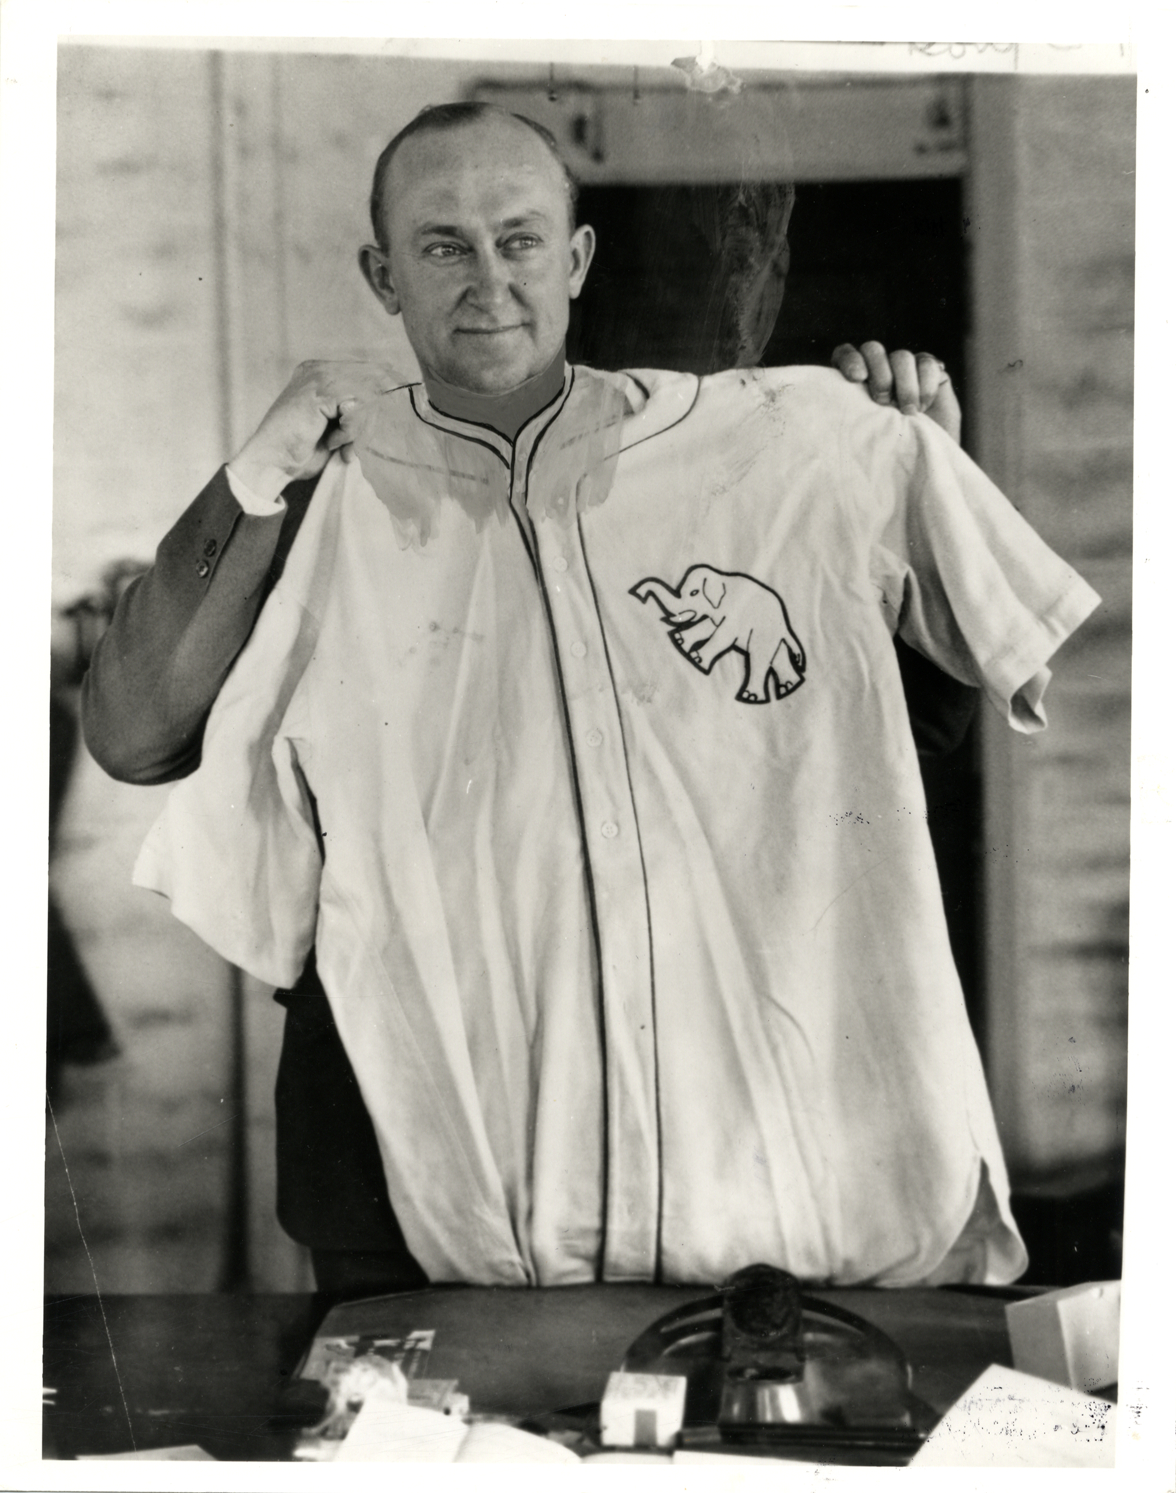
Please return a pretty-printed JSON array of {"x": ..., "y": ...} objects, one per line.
[
  {"x": 252, "y": 238},
  {"x": 814, "y": 129},
  {"x": 252, "y": 242},
  {"x": 993, "y": 430}
]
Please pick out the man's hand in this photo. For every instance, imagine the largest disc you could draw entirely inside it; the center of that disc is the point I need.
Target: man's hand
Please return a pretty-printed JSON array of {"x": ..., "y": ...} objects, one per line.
[
  {"x": 308, "y": 421},
  {"x": 916, "y": 383}
]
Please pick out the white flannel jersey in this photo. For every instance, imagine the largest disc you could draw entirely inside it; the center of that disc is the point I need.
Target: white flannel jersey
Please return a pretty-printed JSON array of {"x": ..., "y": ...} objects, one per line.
[{"x": 588, "y": 774}]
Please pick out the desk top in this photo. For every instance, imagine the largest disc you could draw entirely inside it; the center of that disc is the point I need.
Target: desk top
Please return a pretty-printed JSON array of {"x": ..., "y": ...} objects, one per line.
[{"x": 138, "y": 1372}]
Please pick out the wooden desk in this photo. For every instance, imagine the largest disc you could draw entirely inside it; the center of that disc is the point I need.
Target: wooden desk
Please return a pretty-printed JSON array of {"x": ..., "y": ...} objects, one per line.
[{"x": 210, "y": 1369}]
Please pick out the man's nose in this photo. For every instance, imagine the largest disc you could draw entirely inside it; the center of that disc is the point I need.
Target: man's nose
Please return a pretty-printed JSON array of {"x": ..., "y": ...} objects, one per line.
[{"x": 493, "y": 281}]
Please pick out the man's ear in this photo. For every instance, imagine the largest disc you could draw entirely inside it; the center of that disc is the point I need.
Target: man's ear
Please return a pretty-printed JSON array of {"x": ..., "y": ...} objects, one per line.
[
  {"x": 583, "y": 246},
  {"x": 373, "y": 266}
]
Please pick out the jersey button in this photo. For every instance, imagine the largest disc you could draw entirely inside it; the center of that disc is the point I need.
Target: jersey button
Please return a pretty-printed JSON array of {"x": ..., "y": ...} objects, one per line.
[
  {"x": 578, "y": 650},
  {"x": 202, "y": 568},
  {"x": 595, "y": 737},
  {"x": 609, "y": 830},
  {"x": 560, "y": 564}
]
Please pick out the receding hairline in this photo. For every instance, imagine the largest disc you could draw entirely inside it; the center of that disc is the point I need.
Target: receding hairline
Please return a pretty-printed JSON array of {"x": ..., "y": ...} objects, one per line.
[{"x": 440, "y": 119}]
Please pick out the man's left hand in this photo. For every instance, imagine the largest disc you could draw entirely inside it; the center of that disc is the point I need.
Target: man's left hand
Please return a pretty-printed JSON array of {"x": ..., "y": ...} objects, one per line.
[{"x": 916, "y": 383}]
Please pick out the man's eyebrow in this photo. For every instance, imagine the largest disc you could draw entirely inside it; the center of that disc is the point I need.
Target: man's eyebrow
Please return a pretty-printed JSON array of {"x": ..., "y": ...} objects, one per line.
[
  {"x": 536, "y": 215},
  {"x": 450, "y": 230}
]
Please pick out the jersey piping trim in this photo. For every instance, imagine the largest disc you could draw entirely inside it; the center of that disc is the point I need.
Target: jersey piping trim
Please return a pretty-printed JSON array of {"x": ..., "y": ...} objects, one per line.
[
  {"x": 461, "y": 434},
  {"x": 533, "y": 546},
  {"x": 525, "y": 539},
  {"x": 657, "y": 1257},
  {"x": 454, "y": 423},
  {"x": 632, "y": 377},
  {"x": 559, "y": 398},
  {"x": 640, "y": 441},
  {"x": 567, "y": 392}
]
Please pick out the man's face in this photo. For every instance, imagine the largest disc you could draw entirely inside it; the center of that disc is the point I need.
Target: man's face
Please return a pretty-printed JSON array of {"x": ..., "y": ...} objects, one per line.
[{"x": 481, "y": 261}]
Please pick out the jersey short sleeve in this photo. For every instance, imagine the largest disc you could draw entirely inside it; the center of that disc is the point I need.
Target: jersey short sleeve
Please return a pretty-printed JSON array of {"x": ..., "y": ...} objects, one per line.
[{"x": 969, "y": 583}]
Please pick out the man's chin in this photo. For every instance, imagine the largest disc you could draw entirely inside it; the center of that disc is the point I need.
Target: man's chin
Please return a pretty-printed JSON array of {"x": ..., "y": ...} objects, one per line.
[
  {"x": 491, "y": 370},
  {"x": 487, "y": 385}
]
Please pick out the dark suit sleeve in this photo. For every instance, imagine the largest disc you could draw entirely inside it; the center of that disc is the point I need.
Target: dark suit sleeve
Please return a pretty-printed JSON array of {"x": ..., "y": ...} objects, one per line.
[
  {"x": 940, "y": 708},
  {"x": 176, "y": 631}
]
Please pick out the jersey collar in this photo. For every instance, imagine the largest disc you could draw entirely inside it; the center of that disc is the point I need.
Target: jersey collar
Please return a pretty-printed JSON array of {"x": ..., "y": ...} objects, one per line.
[
  {"x": 655, "y": 400},
  {"x": 485, "y": 434}
]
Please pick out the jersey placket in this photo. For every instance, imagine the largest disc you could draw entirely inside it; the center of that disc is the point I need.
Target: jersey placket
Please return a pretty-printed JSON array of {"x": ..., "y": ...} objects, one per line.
[{"x": 613, "y": 852}]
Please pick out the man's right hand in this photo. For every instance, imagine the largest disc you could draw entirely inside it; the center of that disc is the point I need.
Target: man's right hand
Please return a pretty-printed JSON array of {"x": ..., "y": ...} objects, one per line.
[
  {"x": 308, "y": 421},
  {"x": 916, "y": 383}
]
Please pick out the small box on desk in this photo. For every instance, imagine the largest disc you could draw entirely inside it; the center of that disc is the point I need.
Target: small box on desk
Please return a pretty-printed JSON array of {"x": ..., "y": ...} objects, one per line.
[
  {"x": 642, "y": 1409},
  {"x": 1069, "y": 1337}
]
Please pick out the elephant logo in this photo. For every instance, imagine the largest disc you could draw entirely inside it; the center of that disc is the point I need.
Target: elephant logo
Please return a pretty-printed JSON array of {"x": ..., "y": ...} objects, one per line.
[{"x": 711, "y": 612}]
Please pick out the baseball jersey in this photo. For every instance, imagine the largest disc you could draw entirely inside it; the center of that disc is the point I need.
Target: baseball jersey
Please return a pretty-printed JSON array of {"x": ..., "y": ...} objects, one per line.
[{"x": 582, "y": 762}]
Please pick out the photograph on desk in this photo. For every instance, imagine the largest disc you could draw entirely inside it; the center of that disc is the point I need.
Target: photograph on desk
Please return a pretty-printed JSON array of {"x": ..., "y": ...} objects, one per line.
[{"x": 563, "y": 554}]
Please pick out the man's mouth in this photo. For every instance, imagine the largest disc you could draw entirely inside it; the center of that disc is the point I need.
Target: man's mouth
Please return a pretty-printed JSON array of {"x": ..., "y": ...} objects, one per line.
[{"x": 489, "y": 331}]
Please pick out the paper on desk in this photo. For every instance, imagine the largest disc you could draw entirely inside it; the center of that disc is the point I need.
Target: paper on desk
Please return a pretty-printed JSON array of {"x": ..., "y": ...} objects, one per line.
[
  {"x": 387, "y": 1430},
  {"x": 490, "y": 1441},
  {"x": 1009, "y": 1419}
]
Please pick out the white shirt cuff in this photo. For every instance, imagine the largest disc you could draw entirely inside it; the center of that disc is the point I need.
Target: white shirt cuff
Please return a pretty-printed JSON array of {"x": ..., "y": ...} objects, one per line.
[{"x": 260, "y": 504}]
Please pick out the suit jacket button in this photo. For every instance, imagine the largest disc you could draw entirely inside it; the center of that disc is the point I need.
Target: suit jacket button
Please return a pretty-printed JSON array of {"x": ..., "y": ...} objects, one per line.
[
  {"x": 210, "y": 548},
  {"x": 202, "y": 568}
]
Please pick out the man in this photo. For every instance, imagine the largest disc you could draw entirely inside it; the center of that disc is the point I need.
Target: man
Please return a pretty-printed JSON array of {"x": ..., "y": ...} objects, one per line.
[{"x": 639, "y": 965}]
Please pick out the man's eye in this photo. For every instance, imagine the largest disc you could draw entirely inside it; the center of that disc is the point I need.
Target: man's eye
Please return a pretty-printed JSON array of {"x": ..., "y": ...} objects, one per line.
[
  {"x": 524, "y": 241},
  {"x": 443, "y": 251}
]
